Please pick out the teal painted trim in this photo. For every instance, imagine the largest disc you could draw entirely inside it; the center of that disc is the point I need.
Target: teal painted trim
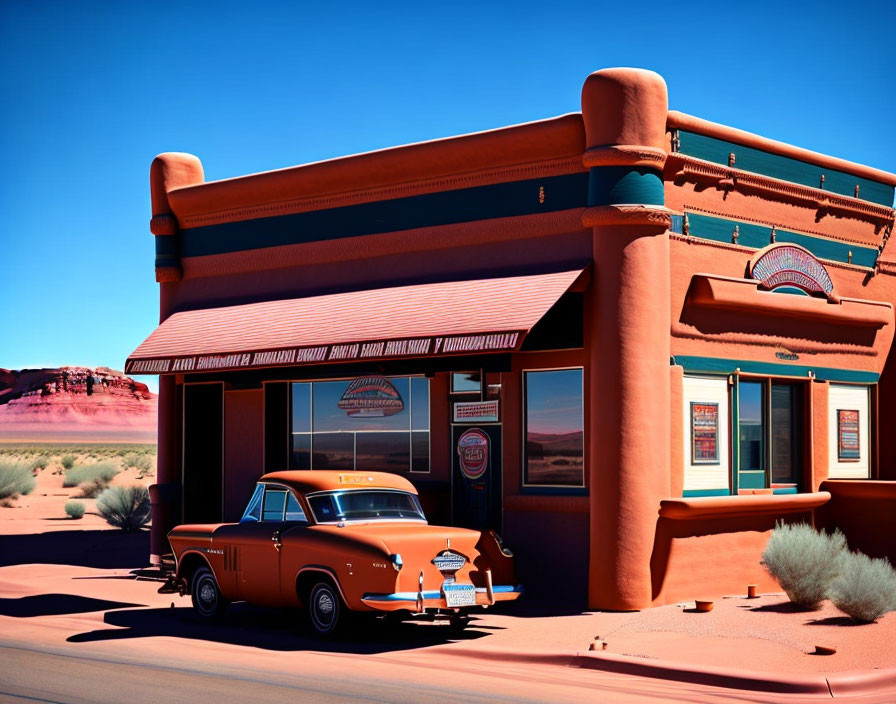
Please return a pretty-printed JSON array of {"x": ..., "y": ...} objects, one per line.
[
  {"x": 713, "y": 365},
  {"x": 751, "y": 479},
  {"x": 758, "y": 236},
  {"x": 614, "y": 185},
  {"x": 791, "y": 290},
  {"x": 735, "y": 437},
  {"x": 786, "y": 490},
  {"x": 167, "y": 254},
  {"x": 784, "y": 168},
  {"x": 688, "y": 493}
]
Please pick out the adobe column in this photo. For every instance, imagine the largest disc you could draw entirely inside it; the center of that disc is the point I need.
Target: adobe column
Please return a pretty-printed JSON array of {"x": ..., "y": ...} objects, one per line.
[
  {"x": 624, "y": 112},
  {"x": 168, "y": 171}
]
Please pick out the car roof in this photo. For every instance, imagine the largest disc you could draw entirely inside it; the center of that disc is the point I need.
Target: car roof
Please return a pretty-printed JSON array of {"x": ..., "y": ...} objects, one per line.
[{"x": 307, "y": 481}]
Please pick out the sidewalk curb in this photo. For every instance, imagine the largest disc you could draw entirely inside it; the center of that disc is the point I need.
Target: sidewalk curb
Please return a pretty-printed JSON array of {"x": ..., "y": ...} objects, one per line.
[{"x": 828, "y": 685}]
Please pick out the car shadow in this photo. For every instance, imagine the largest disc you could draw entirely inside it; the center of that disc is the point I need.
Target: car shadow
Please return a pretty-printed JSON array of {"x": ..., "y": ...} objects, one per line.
[
  {"x": 105, "y": 549},
  {"x": 56, "y": 604},
  {"x": 273, "y": 629}
]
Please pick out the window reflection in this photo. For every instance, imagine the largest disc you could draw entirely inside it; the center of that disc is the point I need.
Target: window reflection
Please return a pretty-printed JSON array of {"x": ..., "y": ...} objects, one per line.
[
  {"x": 368, "y": 423},
  {"x": 555, "y": 449}
]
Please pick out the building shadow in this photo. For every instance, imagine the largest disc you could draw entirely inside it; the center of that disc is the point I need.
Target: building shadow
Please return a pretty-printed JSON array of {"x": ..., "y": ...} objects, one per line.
[
  {"x": 105, "y": 549},
  {"x": 56, "y": 605},
  {"x": 273, "y": 629}
]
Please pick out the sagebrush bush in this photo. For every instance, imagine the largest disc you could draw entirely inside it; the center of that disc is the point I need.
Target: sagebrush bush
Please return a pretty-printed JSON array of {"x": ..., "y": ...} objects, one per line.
[
  {"x": 40, "y": 462},
  {"x": 88, "y": 473},
  {"x": 75, "y": 509},
  {"x": 142, "y": 463},
  {"x": 125, "y": 507},
  {"x": 15, "y": 479},
  {"x": 804, "y": 561},
  {"x": 68, "y": 461},
  {"x": 91, "y": 489},
  {"x": 865, "y": 588}
]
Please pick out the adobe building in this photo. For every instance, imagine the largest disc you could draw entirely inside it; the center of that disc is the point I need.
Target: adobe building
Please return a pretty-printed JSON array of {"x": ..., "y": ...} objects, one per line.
[{"x": 628, "y": 339}]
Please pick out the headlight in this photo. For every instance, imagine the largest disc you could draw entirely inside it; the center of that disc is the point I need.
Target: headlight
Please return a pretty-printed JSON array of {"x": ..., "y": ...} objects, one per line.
[{"x": 396, "y": 561}]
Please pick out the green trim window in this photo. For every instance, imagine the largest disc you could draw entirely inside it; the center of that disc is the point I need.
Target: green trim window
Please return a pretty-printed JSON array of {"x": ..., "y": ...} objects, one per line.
[{"x": 769, "y": 433}]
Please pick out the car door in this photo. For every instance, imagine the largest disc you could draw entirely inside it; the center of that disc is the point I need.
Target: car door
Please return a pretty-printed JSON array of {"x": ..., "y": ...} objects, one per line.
[{"x": 258, "y": 570}]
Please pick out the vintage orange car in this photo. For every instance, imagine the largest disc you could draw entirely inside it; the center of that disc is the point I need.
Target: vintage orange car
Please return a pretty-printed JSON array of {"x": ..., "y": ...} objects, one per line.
[{"x": 340, "y": 542}]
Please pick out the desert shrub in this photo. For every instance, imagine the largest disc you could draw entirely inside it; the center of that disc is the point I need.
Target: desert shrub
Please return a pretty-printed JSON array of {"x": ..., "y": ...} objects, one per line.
[
  {"x": 139, "y": 461},
  {"x": 91, "y": 489},
  {"x": 68, "y": 461},
  {"x": 125, "y": 507},
  {"x": 865, "y": 588},
  {"x": 88, "y": 473},
  {"x": 40, "y": 462},
  {"x": 75, "y": 509},
  {"x": 15, "y": 479},
  {"x": 804, "y": 561}
]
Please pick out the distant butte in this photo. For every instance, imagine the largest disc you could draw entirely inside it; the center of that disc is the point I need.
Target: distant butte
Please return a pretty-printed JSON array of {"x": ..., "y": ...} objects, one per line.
[{"x": 75, "y": 404}]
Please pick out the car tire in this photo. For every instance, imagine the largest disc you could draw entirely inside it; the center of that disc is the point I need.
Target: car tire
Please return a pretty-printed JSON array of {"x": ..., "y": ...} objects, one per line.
[
  {"x": 326, "y": 610},
  {"x": 208, "y": 602}
]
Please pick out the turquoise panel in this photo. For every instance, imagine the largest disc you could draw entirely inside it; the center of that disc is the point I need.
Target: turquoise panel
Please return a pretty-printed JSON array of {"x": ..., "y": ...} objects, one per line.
[
  {"x": 786, "y": 490},
  {"x": 784, "y": 168},
  {"x": 616, "y": 185},
  {"x": 167, "y": 251},
  {"x": 688, "y": 493},
  {"x": 757, "y": 237},
  {"x": 713, "y": 365},
  {"x": 791, "y": 290},
  {"x": 751, "y": 479}
]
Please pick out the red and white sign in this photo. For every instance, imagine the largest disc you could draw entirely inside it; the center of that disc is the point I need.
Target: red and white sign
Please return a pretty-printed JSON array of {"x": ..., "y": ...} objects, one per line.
[
  {"x": 476, "y": 411},
  {"x": 472, "y": 447}
]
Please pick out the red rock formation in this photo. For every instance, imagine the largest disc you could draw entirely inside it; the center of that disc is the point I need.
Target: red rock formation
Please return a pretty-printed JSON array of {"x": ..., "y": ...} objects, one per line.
[{"x": 75, "y": 403}]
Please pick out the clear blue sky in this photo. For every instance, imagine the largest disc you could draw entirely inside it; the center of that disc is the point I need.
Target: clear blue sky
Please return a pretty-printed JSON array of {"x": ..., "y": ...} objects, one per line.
[{"x": 93, "y": 91}]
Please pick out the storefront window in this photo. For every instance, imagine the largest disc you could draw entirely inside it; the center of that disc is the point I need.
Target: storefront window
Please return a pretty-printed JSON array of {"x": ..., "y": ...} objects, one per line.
[
  {"x": 555, "y": 449},
  {"x": 769, "y": 423},
  {"x": 466, "y": 383},
  {"x": 370, "y": 423}
]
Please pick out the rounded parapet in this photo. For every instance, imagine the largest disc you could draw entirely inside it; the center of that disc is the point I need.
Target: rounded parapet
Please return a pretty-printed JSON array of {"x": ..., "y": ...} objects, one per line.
[
  {"x": 625, "y": 106},
  {"x": 169, "y": 171}
]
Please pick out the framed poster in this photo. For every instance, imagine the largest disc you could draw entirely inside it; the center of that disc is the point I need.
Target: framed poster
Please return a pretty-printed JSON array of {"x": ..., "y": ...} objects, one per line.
[
  {"x": 704, "y": 432},
  {"x": 848, "y": 449}
]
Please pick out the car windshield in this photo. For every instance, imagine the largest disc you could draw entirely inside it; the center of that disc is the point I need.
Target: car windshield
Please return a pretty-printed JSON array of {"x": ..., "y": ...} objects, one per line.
[{"x": 365, "y": 505}]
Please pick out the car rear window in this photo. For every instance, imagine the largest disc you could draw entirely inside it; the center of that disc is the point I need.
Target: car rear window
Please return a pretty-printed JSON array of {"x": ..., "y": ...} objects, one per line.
[{"x": 365, "y": 505}]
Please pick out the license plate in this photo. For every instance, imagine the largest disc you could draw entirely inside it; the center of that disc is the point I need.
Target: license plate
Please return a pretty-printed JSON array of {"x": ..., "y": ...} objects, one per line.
[{"x": 459, "y": 595}]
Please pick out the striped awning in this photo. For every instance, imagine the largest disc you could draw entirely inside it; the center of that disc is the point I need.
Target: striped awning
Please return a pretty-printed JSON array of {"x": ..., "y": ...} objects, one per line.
[{"x": 425, "y": 320}]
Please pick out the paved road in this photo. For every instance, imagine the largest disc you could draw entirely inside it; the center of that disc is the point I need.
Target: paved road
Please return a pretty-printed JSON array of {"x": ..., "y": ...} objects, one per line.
[{"x": 32, "y": 675}]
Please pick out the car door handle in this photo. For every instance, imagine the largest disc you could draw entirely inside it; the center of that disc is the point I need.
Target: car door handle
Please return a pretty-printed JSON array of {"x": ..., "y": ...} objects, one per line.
[{"x": 275, "y": 538}]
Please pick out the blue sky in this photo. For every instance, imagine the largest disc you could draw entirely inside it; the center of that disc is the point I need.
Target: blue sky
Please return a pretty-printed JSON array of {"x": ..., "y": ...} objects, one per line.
[{"x": 93, "y": 91}]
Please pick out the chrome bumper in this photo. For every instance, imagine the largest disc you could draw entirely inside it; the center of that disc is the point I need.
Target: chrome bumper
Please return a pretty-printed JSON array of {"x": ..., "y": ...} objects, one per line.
[{"x": 434, "y": 599}]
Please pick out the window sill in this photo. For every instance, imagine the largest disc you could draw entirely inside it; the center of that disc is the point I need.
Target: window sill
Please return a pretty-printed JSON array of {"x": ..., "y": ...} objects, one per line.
[{"x": 731, "y": 506}]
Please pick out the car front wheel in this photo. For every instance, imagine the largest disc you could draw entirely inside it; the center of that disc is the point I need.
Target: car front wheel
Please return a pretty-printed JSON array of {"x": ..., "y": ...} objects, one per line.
[
  {"x": 326, "y": 612},
  {"x": 207, "y": 599}
]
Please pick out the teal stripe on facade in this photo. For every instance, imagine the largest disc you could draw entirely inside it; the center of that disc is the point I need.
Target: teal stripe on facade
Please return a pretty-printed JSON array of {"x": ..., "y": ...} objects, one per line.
[
  {"x": 514, "y": 198},
  {"x": 690, "y": 493},
  {"x": 786, "y": 490},
  {"x": 714, "y": 365},
  {"x": 758, "y": 236},
  {"x": 166, "y": 251},
  {"x": 617, "y": 185},
  {"x": 784, "y": 168}
]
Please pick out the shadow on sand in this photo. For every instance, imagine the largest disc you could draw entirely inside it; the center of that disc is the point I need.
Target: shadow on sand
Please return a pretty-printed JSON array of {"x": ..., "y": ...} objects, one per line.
[
  {"x": 106, "y": 549},
  {"x": 273, "y": 629},
  {"x": 56, "y": 604}
]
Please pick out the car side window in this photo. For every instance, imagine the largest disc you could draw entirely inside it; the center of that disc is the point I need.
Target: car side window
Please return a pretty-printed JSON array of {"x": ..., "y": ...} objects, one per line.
[
  {"x": 294, "y": 512},
  {"x": 252, "y": 514},
  {"x": 273, "y": 504}
]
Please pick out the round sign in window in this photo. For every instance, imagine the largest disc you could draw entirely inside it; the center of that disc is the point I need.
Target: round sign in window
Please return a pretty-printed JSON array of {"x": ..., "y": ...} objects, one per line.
[{"x": 472, "y": 447}]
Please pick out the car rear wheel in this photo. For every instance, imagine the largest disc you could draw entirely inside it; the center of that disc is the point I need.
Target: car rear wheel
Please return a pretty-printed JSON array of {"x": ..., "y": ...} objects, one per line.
[
  {"x": 326, "y": 612},
  {"x": 207, "y": 599}
]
